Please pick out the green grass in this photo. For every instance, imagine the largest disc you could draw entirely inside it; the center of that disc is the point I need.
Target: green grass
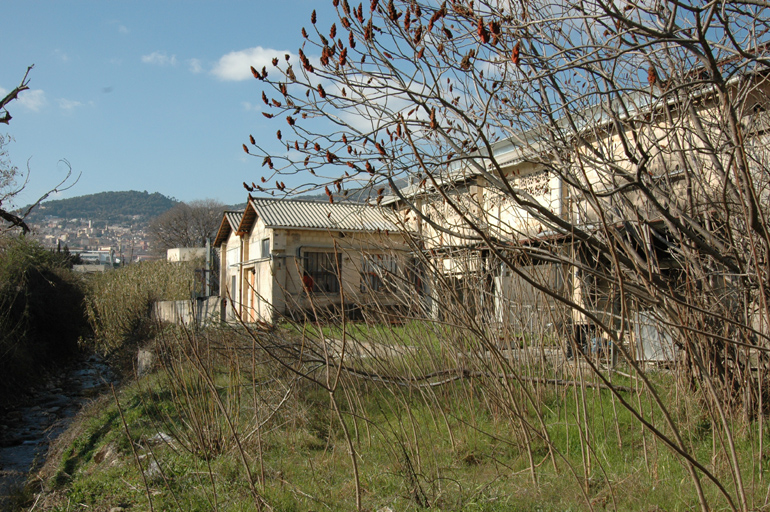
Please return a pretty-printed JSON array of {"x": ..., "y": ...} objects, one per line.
[{"x": 460, "y": 446}]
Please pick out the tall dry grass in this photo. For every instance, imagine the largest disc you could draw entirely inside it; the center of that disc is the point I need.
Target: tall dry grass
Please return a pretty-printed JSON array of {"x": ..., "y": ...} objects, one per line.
[
  {"x": 428, "y": 414},
  {"x": 119, "y": 302},
  {"x": 461, "y": 410}
]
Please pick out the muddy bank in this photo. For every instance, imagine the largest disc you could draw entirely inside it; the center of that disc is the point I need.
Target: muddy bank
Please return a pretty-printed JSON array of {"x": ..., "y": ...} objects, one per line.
[{"x": 27, "y": 428}]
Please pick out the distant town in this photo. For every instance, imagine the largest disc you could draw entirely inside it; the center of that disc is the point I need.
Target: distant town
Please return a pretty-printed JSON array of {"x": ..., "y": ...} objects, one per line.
[
  {"x": 113, "y": 222},
  {"x": 128, "y": 239}
]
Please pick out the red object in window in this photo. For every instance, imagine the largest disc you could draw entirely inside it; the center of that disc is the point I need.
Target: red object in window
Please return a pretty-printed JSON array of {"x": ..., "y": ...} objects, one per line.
[{"x": 307, "y": 282}]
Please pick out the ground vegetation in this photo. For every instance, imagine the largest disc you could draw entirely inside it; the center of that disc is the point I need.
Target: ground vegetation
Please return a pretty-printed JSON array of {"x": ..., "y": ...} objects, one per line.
[
  {"x": 42, "y": 313},
  {"x": 119, "y": 303},
  {"x": 222, "y": 426},
  {"x": 646, "y": 120}
]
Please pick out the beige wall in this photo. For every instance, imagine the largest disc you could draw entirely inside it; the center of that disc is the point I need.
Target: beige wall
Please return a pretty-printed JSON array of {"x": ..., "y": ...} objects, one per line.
[
  {"x": 272, "y": 285},
  {"x": 230, "y": 283},
  {"x": 507, "y": 219},
  {"x": 185, "y": 253}
]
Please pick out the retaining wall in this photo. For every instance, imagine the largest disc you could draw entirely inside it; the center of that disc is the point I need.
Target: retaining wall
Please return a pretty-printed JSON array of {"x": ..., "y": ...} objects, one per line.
[{"x": 198, "y": 312}]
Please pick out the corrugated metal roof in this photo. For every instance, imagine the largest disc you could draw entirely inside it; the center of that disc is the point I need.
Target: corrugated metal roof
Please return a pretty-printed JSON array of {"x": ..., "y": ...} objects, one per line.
[
  {"x": 292, "y": 213},
  {"x": 234, "y": 219},
  {"x": 230, "y": 222}
]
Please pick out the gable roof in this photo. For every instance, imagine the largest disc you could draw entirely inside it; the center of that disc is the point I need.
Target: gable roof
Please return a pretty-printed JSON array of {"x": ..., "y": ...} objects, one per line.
[
  {"x": 313, "y": 215},
  {"x": 230, "y": 222}
]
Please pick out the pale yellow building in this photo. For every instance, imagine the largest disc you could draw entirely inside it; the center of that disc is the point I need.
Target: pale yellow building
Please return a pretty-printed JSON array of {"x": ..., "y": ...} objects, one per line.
[{"x": 285, "y": 257}]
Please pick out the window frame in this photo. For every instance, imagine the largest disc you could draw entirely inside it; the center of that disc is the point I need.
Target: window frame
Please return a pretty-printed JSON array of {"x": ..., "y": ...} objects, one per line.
[
  {"x": 378, "y": 272},
  {"x": 323, "y": 271}
]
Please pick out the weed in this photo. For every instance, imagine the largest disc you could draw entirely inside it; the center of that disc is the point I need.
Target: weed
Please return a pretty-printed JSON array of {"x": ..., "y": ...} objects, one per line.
[{"x": 247, "y": 429}]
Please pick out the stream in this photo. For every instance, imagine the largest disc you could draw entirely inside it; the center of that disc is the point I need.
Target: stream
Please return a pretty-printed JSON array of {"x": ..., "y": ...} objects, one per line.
[{"x": 27, "y": 429}]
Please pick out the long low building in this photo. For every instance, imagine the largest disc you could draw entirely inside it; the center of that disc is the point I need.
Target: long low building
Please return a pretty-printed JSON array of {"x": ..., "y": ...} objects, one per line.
[{"x": 284, "y": 257}]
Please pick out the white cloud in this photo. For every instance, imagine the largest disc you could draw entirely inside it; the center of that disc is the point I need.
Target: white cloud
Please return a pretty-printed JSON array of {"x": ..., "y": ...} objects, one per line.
[
  {"x": 251, "y": 107},
  {"x": 379, "y": 102},
  {"x": 61, "y": 55},
  {"x": 30, "y": 99},
  {"x": 68, "y": 105},
  {"x": 159, "y": 59},
  {"x": 234, "y": 66},
  {"x": 121, "y": 28},
  {"x": 195, "y": 65}
]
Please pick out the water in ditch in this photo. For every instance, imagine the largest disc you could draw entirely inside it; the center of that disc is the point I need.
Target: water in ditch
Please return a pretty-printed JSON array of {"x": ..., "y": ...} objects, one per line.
[{"x": 27, "y": 429}]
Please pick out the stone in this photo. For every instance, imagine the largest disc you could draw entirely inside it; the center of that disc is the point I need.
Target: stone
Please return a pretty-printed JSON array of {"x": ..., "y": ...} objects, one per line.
[
  {"x": 106, "y": 452},
  {"x": 145, "y": 360},
  {"x": 161, "y": 437},
  {"x": 153, "y": 471}
]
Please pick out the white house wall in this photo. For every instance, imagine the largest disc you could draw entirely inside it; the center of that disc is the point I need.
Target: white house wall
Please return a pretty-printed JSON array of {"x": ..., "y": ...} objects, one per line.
[
  {"x": 232, "y": 259},
  {"x": 257, "y": 278},
  {"x": 508, "y": 220}
]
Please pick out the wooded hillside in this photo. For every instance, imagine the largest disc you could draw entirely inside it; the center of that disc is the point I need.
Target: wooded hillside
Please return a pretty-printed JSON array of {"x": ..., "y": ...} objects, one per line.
[{"x": 106, "y": 206}]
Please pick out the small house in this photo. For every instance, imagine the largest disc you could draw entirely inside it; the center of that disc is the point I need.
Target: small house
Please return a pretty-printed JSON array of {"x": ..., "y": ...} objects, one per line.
[{"x": 286, "y": 257}]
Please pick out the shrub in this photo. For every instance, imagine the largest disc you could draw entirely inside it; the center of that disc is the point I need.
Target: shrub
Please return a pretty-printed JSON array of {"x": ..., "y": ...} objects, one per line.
[
  {"x": 120, "y": 302},
  {"x": 42, "y": 313}
]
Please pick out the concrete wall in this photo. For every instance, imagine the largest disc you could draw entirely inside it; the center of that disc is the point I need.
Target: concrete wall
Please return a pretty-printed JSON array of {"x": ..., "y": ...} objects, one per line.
[
  {"x": 199, "y": 312},
  {"x": 185, "y": 253},
  {"x": 91, "y": 269}
]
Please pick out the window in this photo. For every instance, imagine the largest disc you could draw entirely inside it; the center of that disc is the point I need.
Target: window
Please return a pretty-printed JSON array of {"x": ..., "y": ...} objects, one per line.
[
  {"x": 414, "y": 273},
  {"x": 377, "y": 270},
  {"x": 321, "y": 272},
  {"x": 266, "y": 248}
]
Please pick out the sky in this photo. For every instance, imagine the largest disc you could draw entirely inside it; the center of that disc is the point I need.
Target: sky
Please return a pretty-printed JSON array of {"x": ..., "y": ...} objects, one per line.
[{"x": 137, "y": 95}]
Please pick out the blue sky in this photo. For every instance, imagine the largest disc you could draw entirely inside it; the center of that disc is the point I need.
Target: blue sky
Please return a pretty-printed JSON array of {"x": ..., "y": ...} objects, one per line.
[{"x": 137, "y": 95}]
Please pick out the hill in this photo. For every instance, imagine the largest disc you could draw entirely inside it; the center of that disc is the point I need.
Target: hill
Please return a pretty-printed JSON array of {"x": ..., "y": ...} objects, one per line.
[{"x": 108, "y": 206}]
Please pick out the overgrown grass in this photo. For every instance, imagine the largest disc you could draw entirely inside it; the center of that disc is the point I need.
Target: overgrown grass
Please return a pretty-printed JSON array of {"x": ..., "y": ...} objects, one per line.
[
  {"x": 249, "y": 426},
  {"x": 41, "y": 310},
  {"x": 120, "y": 302}
]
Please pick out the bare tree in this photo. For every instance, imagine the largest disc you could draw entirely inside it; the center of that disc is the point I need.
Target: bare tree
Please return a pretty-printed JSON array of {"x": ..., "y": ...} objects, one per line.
[
  {"x": 608, "y": 160},
  {"x": 10, "y": 174},
  {"x": 186, "y": 225}
]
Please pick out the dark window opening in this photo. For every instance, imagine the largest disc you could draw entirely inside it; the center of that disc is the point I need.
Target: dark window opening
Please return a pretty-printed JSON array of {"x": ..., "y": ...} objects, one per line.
[
  {"x": 377, "y": 271},
  {"x": 266, "y": 248},
  {"x": 321, "y": 272}
]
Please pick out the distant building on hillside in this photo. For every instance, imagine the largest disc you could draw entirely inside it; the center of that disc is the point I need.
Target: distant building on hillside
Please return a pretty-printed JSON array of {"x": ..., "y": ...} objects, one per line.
[
  {"x": 185, "y": 253},
  {"x": 96, "y": 261}
]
